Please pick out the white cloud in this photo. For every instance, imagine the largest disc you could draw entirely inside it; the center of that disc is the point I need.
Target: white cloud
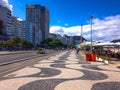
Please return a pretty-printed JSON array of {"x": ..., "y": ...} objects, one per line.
[
  {"x": 19, "y": 19},
  {"x": 54, "y": 29},
  {"x": 5, "y": 3},
  {"x": 103, "y": 30}
]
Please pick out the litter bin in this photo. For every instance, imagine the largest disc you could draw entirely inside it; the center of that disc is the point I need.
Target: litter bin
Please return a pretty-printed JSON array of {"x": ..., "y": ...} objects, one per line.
[
  {"x": 93, "y": 57},
  {"x": 88, "y": 57}
]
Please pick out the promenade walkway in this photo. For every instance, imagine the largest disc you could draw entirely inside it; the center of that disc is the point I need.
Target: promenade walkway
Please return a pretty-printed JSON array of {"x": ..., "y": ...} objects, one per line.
[{"x": 65, "y": 71}]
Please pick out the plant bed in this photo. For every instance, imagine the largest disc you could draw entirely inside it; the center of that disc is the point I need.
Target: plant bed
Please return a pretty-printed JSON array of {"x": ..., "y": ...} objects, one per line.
[{"x": 104, "y": 59}]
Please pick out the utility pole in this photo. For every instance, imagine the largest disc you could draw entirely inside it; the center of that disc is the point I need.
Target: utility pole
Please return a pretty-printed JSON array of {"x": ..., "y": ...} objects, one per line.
[
  {"x": 81, "y": 32},
  {"x": 91, "y": 17}
]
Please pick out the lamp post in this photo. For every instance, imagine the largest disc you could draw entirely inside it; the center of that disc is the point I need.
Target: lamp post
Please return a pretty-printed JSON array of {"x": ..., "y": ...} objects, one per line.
[
  {"x": 81, "y": 33},
  {"x": 91, "y": 17}
]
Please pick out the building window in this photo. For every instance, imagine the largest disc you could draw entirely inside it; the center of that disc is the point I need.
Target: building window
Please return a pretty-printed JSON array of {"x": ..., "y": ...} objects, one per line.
[{"x": 42, "y": 10}]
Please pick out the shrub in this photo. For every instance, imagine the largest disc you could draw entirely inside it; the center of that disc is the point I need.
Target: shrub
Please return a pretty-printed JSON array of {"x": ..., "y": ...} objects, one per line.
[{"x": 104, "y": 57}]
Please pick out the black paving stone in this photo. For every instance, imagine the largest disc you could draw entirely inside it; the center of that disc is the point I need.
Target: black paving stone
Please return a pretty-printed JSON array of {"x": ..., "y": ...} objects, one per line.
[
  {"x": 106, "y": 86},
  {"x": 92, "y": 75},
  {"x": 80, "y": 62},
  {"x": 59, "y": 61},
  {"x": 46, "y": 72},
  {"x": 58, "y": 65},
  {"x": 42, "y": 85},
  {"x": 118, "y": 67},
  {"x": 63, "y": 59},
  {"x": 50, "y": 84},
  {"x": 94, "y": 67}
]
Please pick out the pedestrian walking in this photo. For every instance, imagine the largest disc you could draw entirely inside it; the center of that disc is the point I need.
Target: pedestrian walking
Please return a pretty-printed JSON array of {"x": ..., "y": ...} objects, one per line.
[{"x": 77, "y": 50}]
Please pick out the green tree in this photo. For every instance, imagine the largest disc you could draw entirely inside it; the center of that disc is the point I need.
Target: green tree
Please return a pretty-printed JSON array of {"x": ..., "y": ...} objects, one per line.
[
  {"x": 15, "y": 40},
  {"x": 46, "y": 41},
  {"x": 1, "y": 43},
  {"x": 5, "y": 43},
  {"x": 26, "y": 44},
  {"x": 56, "y": 43},
  {"x": 23, "y": 43},
  {"x": 51, "y": 44}
]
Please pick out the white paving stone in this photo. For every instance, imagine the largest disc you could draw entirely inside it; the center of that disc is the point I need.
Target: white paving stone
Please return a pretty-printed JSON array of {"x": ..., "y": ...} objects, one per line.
[
  {"x": 68, "y": 73},
  {"x": 23, "y": 72},
  {"x": 75, "y": 85}
]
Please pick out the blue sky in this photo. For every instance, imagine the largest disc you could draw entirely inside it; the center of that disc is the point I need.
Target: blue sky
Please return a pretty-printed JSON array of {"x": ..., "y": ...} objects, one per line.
[
  {"x": 71, "y": 12},
  {"x": 67, "y": 15}
]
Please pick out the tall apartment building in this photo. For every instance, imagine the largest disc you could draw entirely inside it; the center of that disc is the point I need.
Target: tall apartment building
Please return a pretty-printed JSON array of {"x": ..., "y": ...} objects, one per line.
[
  {"x": 26, "y": 30},
  {"x": 38, "y": 15},
  {"x": 44, "y": 22},
  {"x": 30, "y": 32},
  {"x": 22, "y": 30},
  {"x": 1, "y": 26},
  {"x": 18, "y": 28},
  {"x": 5, "y": 16},
  {"x": 15, "y": 25}
]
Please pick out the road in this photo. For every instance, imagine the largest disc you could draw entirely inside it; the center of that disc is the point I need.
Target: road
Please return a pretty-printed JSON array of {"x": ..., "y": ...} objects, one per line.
[
  {"x": 64, "y": 71},
  {"x": 27, "y": 59},
  {"x": 12, "y": 57},
  {"x": 18, "y": 56}
]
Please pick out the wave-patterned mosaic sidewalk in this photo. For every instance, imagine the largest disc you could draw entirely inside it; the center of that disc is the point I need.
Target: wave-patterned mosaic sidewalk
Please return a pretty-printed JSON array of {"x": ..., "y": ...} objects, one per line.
[{"x": 66, "y": 71}]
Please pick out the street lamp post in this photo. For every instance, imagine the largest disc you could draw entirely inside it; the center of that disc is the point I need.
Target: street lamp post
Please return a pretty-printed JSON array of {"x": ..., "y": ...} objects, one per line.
[
  {"x": 91, "y": 17},
  {"x": 81, "y": 33}
]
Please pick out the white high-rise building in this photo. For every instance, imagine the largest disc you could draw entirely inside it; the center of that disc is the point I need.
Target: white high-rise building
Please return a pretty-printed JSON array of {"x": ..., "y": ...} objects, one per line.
[
  {"x": 15, "y": 25},
  {"x": 5, "y": 16},
  {"x": 22, "y": 30},
  {"x": 26, "y": 31}
]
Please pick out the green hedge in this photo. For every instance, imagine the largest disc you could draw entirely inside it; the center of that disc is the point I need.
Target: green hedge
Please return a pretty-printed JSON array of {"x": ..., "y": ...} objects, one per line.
[{"x": 103, "y": 57}]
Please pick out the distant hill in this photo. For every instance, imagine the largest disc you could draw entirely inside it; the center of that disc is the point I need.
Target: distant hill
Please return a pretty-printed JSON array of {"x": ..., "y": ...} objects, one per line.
[
  {"x": 77, "y": 39},
  {"x": 116, "y": 40}
]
